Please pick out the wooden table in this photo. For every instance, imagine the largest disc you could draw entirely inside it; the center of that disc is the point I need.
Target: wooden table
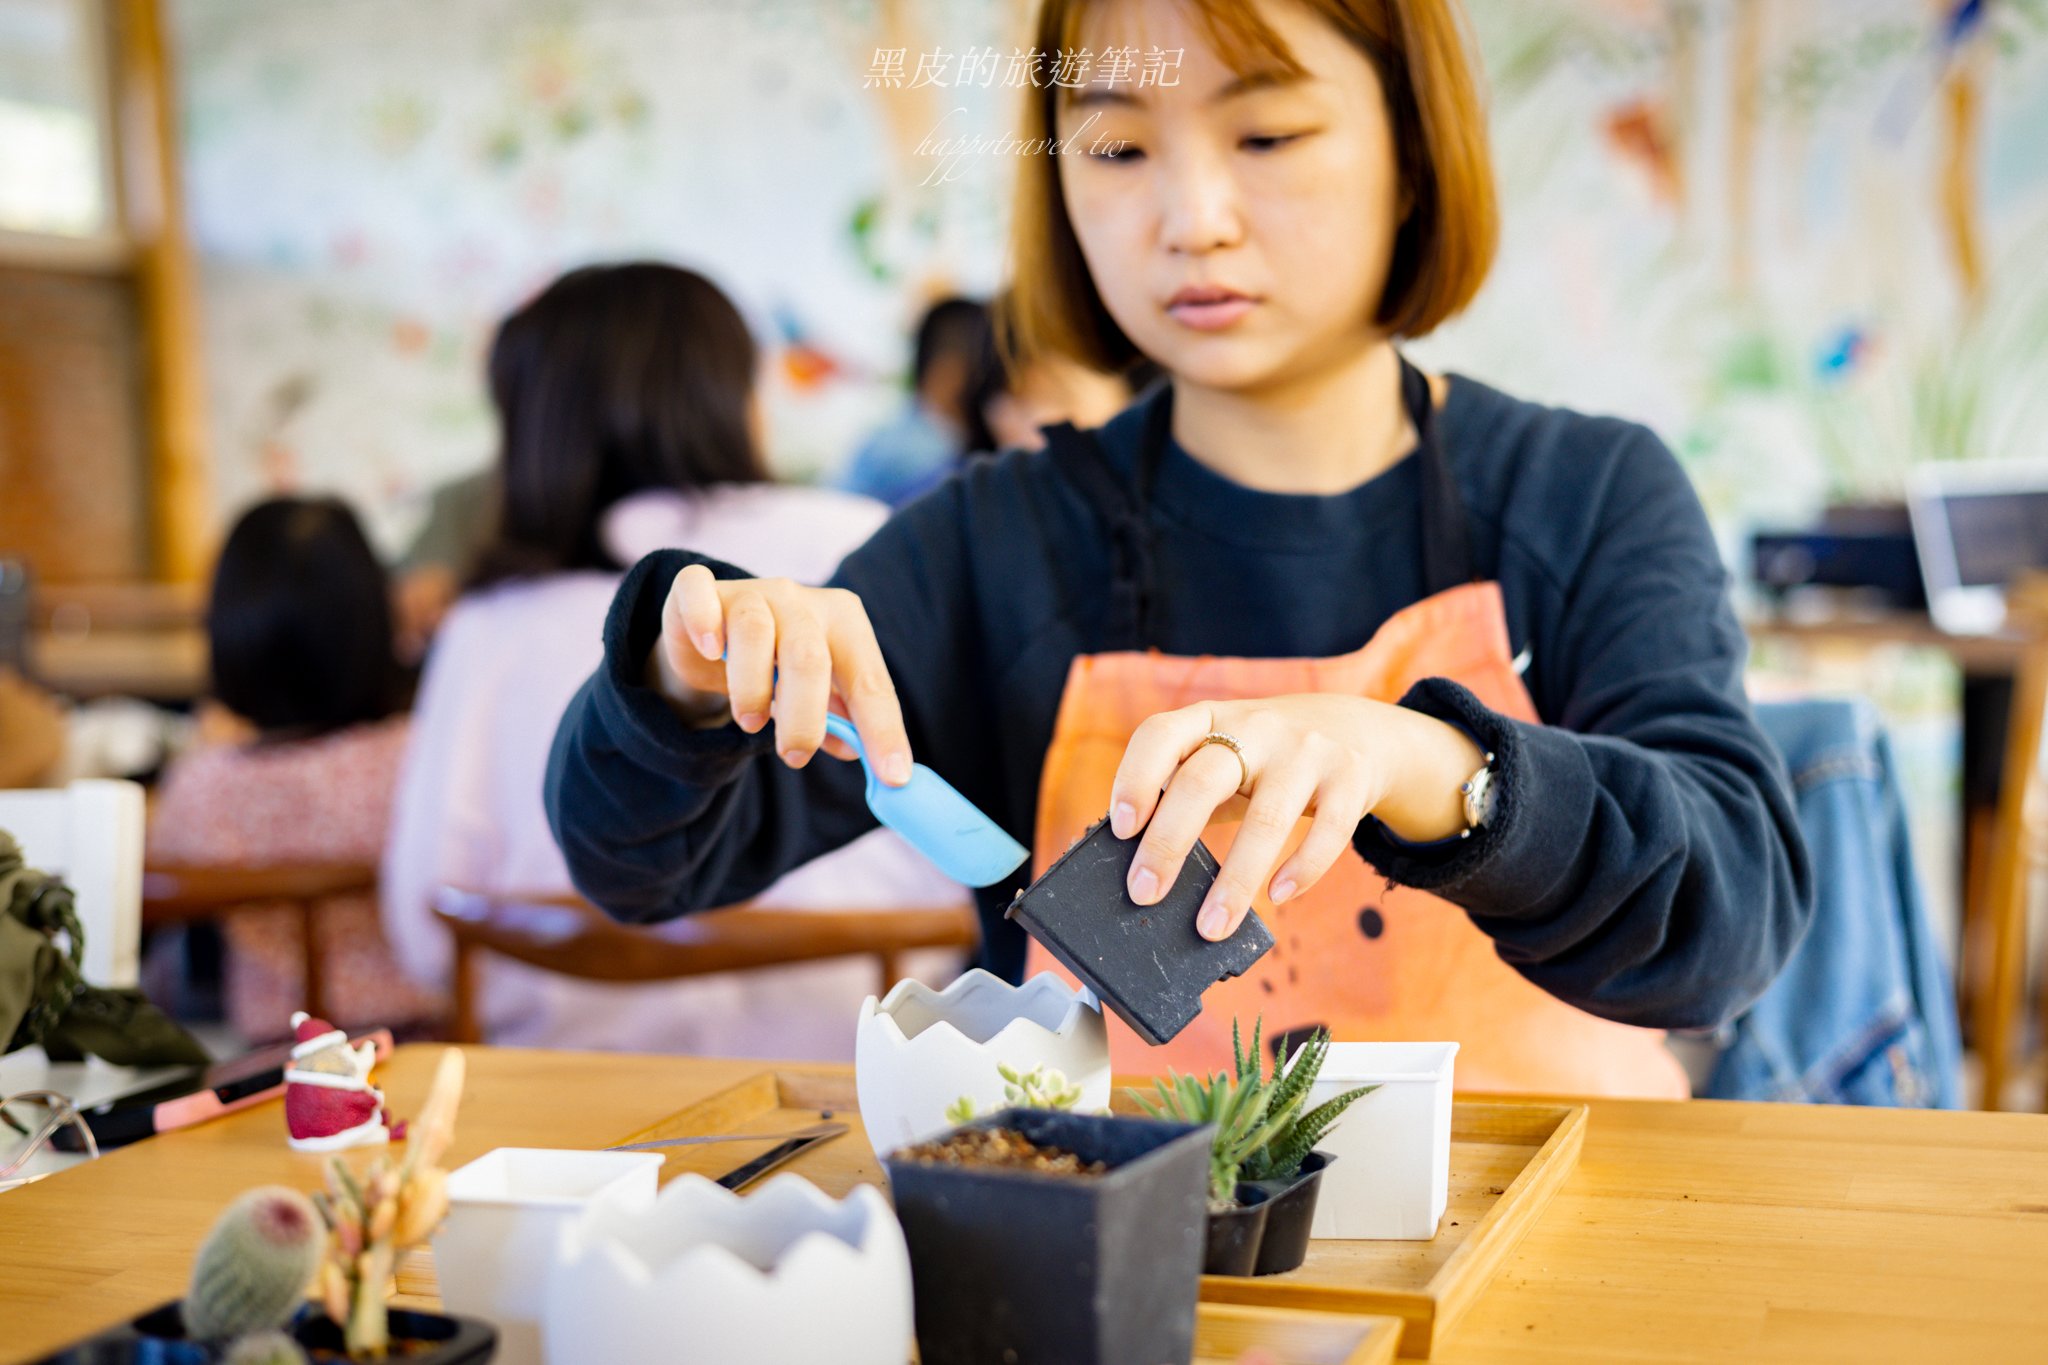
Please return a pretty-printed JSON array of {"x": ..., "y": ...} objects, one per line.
[{"x": 1689, "y": 1232}]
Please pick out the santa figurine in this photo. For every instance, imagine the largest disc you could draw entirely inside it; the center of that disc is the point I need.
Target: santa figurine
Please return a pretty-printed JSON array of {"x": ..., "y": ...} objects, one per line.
[{"x": 329, "y": 1103}]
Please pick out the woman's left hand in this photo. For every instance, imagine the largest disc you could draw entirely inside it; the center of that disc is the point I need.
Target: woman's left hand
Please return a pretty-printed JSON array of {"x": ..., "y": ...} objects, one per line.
[{"x": 1333, "y": 759}]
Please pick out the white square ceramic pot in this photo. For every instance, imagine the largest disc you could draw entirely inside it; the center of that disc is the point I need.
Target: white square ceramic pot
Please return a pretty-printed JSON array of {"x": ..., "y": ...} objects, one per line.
[
  {"x": 1392, "y": 1173},
  {"x": 506, "y": 1211}
]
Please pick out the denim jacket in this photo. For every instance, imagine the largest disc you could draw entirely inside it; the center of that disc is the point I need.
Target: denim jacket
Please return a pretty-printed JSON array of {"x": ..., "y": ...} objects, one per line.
[{"x": 1863, "y": 1012}]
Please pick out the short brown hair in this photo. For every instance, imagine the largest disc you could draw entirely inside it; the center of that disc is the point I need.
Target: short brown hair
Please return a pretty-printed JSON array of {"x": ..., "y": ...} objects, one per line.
[{"x": 1441, "y": 250}]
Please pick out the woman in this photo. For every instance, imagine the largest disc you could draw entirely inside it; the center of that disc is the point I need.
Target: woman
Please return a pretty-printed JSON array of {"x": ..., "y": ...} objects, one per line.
[
  {"x": 299, "y": 627},
  {"x": 1301, "y": 587},
  {"x": 625, "y": 402}
]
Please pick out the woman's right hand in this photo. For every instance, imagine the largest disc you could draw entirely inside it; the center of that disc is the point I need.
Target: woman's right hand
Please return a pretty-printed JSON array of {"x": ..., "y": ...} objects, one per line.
[{"x": 776, "y": 650}]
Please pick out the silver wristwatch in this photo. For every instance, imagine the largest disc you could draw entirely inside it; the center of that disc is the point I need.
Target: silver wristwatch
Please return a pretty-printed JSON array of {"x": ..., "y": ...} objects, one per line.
[{"x": 1477, "y": 790}]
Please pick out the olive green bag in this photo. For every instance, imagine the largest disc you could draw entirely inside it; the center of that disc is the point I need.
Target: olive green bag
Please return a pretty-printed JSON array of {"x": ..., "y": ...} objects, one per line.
[{"x": 45, "y": 999}]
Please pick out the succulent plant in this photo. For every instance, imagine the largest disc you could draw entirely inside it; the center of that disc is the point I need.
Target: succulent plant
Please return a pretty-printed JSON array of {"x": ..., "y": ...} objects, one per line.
[
  {"x": 391, "y": 1206},
  {"x": 265, "y": 1348},
  {"x": 1039, "y": 1088},
  {"x": 1236, "y": 1108},
  {"x": 255, "y": 1265},
  {"x": 1042, "y": 1087},
  {"x": 1287, "y": 1092},
  {"x": 1261, "y": 1131}
]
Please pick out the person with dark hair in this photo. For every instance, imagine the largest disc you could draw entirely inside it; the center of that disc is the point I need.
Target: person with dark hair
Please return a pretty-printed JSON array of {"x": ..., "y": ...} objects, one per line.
[
  {"x": 625, "y": 401},
  {"x": 299, "y": 626},
  {"x": 940, "y": 423}
]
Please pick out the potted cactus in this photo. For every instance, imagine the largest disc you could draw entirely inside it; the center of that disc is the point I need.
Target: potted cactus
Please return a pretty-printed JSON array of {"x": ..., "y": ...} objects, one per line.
[
  {"x": 247, "y": 1300},
  {"x": 1264, "y": 1171},
  {"x": 1045, "y": 1238}
]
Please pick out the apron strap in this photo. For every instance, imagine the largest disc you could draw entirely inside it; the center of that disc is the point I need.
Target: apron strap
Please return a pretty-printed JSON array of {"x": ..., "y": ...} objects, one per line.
[
  {"x": 1080, "y": 456},
  {"x": 1446, "y": 539},
  {"x": 1446, "y": 536}
]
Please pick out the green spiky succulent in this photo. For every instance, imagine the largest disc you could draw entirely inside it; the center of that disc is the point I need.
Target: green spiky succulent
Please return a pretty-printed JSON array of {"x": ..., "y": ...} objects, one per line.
[
  {"x": 1289, "y": 1086},
  {"x": 1261, "y": 1131},
  {"x": 1237, "y": 1108}
]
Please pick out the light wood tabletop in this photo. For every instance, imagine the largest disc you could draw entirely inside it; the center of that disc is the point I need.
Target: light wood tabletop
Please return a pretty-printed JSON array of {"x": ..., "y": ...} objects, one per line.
[{"x": 1689, "y": 1232}]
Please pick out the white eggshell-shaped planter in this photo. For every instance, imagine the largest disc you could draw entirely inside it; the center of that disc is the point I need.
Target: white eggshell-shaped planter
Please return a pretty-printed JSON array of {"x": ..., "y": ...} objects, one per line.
[
  {"x": 506, "y": 1211},
  {"x": 702, "y": 1276},
  {"x": 920, "y": 1050},
  {"x": 1392, "y": 1173}
]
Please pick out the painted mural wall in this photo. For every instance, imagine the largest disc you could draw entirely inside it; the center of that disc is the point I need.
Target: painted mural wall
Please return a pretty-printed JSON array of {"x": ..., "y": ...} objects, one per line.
[{"x": 1803, "y": 239}]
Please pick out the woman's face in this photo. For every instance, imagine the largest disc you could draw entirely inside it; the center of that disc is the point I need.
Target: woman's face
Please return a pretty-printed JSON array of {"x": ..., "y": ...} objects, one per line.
[{"x": 1238, "y": 227}]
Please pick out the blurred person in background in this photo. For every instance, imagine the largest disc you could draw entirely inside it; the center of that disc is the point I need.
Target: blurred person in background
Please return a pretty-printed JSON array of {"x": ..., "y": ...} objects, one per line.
[
  {"x": 461, "y": 514},
  {"x": 300, "y": 633},
  {"x": 937, "y": 426},
  {"x": 626, "y": 405}
]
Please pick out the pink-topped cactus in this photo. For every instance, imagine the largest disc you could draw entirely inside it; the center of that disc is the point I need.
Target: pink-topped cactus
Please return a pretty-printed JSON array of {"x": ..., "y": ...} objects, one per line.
[{"x": 255, "y": 1265}]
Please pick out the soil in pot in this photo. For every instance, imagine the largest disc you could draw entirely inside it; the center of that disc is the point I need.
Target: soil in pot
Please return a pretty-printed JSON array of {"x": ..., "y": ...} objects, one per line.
[
  {"x": 1234, "y": 1235},
  {"x": 1290, "y": 1212},
  {"x": 1000, "y": 1147}
]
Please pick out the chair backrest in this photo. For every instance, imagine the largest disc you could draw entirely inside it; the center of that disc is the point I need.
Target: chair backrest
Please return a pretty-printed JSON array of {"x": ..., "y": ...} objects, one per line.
[
  {"x": 90, "y": 834},
  {"x": 572, "y": 937}
]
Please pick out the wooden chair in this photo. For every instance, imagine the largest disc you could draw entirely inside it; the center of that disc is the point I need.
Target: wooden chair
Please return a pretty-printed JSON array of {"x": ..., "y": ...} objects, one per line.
[
  {"x": 568, "y": 935},
  {"x": 180, "y": 895},
  {"x": 90, "y": 834},
  {"x": 2018, "y": 847}
]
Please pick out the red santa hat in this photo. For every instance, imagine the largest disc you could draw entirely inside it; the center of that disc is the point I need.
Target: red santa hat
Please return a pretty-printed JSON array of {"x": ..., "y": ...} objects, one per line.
[{"x": 312, "y": 1035}]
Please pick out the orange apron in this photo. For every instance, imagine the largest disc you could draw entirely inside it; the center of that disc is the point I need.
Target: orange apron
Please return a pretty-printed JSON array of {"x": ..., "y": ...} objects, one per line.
[{"x": 1365, "y": 959}]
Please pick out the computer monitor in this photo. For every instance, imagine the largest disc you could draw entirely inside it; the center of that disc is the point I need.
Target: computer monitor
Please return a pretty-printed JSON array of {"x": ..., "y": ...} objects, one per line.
[{"x": 1977, "y": 526}]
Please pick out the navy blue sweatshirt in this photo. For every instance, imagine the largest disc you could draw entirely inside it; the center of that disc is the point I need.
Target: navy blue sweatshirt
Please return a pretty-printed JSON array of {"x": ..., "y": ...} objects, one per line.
[{"x": 1642, "y": 860}]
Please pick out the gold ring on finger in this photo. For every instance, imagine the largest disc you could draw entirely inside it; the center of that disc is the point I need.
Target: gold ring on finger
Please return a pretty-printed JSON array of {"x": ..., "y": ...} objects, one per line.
[{"x": 1236, "y": 746}]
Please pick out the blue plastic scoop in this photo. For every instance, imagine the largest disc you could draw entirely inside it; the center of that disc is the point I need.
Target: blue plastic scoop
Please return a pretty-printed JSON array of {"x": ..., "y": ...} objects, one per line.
[{"x": 936, "y": 820}]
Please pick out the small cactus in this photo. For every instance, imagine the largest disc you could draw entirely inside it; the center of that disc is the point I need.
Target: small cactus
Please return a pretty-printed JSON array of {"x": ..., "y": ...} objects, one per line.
[
  {"x": 254, "y": 1266},
  {"x": 265, "y": 1348}
]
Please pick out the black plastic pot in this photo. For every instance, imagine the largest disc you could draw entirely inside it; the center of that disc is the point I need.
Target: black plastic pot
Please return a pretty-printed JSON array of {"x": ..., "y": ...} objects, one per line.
[
  {"x": 1234, "y": 1235},
  {"x": 1035, "y": 1269},
  {"x": 158, "y": 1338},
  {"x": 1290, "y": 1211},
  {"x": 1146, "y": 962}
]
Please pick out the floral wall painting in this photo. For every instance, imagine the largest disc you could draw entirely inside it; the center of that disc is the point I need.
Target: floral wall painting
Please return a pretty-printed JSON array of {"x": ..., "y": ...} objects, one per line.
[
  {"x": 1799, "y": 237},
  {"x": 1794, "y": 236}
]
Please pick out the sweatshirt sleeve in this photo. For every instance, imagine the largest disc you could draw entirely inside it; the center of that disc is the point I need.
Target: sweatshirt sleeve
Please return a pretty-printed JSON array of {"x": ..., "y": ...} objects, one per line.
[
  {"x": 1643, "y": 860},
  {"x": 658, "y": 819}
]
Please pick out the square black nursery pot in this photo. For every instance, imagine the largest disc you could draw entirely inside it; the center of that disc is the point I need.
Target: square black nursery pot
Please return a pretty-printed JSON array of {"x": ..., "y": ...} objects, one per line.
[
  {"x": 1146, "y": 962},
  {"x": 1290, "y": 1212},
  {"x": 1034, "y": 1269},
  {"x": 158, "y": 1338}
]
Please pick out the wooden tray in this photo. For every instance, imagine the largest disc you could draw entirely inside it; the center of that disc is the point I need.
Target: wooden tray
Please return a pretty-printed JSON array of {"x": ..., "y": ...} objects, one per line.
[{"x": 1507, "y": 1159}]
